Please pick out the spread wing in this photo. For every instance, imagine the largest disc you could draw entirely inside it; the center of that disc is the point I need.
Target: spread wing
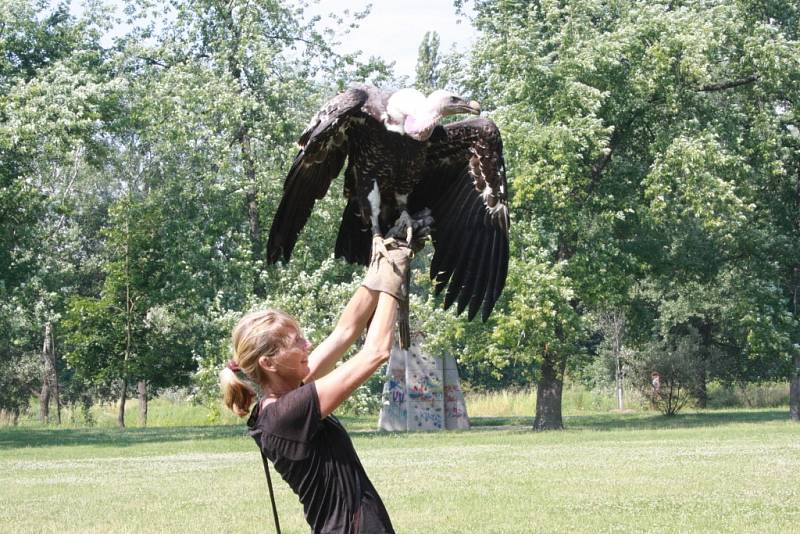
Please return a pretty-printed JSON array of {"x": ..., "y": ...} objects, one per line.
[
  {"x": 323, "y": 150},
  {"x": 465, "y": 187}
]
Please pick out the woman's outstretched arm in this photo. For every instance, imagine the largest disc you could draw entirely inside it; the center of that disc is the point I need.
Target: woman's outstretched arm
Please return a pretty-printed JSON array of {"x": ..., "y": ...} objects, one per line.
[
  {"x": 350, "y": 325},
  {"x": 336, "y": 386},
  {"x": 384, "y": 284}
]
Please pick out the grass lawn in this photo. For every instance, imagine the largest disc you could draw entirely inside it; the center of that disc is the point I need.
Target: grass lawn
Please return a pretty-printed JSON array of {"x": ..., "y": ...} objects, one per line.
[{"x": 719, "y": 471}]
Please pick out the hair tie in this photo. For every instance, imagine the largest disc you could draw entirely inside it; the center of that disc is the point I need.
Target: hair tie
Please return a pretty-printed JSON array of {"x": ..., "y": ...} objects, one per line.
[{"x": 233, "y": 366}]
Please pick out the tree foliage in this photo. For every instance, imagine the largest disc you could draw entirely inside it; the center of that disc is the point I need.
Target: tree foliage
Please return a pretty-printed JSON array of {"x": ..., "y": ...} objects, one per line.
[
  {"x": 652, "y": 152},
  {"x": 429, "y": 68},
  {"x": 647, "y": 143}
]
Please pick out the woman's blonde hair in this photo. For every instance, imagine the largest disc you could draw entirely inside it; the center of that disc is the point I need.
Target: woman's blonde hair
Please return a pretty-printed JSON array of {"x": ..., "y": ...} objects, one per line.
[{"x": 261, "y": 333}]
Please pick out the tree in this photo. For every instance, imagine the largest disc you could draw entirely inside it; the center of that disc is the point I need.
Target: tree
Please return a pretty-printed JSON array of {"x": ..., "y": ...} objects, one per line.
[
  {"x": 49, "y": 377},
  {"x": 211, "y": 106},
  {"x": 51, "y": 94},
  {"x": 666, "y": 371},
  {"x": 612, "y": 322},
  {"x": 428, "y": 69},
  {"x": 638, "y": 139}
]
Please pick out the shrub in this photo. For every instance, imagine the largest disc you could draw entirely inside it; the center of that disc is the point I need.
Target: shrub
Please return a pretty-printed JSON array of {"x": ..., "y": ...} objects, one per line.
[
  {"x": 750, "y": 395},
  {"x": 666, "y": 371}
]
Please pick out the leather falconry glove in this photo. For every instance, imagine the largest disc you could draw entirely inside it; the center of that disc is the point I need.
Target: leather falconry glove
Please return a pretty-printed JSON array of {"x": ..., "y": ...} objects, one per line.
[{"x": 392, "y": 276}]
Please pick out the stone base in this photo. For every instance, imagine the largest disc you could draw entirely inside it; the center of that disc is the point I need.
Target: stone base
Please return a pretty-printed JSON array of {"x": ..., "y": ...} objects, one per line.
[{"x": 421, "y": 392}]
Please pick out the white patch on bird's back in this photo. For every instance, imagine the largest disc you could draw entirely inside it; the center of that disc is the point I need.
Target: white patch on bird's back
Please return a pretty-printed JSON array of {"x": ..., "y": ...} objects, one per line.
[
  {"x": 398, "y": 128},
  {"x": 374, "y": 198},
  {"x": 402, "y": 200},
  {"x": 405, "y": 102}
]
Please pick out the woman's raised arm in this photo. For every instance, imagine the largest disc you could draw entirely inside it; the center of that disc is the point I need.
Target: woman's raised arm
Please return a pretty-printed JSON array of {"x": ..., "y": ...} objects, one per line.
[
  {"x": 336, "y": 386},
  {"x": 350, "y": 325}
]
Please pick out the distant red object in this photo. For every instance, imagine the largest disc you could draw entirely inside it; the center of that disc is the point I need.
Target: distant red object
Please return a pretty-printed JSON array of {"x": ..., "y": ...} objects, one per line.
[{"x": 655, "y": 380}]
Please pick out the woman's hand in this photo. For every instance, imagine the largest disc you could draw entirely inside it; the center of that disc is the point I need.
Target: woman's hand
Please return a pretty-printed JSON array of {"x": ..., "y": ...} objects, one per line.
[
  {"x": 383, "y": 284},
  {"x": 388, "y": 273}
]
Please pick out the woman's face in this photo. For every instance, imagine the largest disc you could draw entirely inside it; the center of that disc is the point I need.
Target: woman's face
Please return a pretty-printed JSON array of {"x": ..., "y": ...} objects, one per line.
[{"x": 292, "y": 362}]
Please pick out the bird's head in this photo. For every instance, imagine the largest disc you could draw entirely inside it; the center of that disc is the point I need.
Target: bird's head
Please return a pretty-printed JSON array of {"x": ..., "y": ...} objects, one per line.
[{"x": 445, "y": 103}]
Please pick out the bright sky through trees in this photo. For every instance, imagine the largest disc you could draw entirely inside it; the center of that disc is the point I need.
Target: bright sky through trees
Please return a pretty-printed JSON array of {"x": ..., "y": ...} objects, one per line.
[{"x": 392, "y": 30}]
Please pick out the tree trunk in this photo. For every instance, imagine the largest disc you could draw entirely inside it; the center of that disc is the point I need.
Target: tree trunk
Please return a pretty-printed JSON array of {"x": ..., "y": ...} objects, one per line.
[
  {"x": 142, "y": 403},
  {"x": 51, "y": 357},
  {"x": 794, "y": 384},
  {"x": 551, "y": 383},
  {"x": 700, "y": 392},
  {"x": 253, "y": 215},
  {"x": 548, "y": 394},
  {"x": 256, "y": 246},
  {"x": 56, "y": 395},
  {"x": 129, "y": 305},
  {"x": 794, "y": 392},
  {"x": 614, "y": 323},
  {"x": 49, "y": 377},
  {"x": 44, "y": 400},
  {"x": 122, "y": 397}
]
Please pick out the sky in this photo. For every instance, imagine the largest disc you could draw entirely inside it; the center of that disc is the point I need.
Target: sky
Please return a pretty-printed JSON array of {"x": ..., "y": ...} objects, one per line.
[{"x": 392, "y": 30}]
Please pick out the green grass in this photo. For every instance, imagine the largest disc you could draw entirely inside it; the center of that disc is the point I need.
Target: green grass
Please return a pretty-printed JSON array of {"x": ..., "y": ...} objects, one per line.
[
  {"x": 175, "y": 409},
  {"x": 721, "y": 471},
  {"x": 181, "y": 412},
  {"x": 575, "y": 400}
]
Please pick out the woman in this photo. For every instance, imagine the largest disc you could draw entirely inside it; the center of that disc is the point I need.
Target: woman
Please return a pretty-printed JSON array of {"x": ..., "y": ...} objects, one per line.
[{"x": 292, "y": 422}]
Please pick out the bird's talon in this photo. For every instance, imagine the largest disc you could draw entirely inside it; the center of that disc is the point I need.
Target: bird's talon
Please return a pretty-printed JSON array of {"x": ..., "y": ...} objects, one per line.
[{"x": 403, "y": 227}]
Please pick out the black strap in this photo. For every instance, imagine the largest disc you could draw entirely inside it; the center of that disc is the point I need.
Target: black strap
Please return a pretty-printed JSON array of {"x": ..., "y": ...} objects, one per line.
[
  {"x": 271, "y": 493},
  {"x": 357, "y": 514}
]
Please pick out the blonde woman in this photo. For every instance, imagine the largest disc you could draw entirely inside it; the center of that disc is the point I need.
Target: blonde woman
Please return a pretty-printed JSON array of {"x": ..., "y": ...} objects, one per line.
[{"x": 300, "y": 389}]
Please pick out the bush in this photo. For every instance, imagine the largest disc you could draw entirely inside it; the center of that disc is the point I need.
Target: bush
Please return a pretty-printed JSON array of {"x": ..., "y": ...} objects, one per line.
[
  {"x": 752, "y": 395},
  {"x": 666, "y": 371}
]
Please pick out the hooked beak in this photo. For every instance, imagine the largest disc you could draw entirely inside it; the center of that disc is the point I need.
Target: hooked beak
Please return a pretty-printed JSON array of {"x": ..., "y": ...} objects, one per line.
[{"x": 472, "y": 107}]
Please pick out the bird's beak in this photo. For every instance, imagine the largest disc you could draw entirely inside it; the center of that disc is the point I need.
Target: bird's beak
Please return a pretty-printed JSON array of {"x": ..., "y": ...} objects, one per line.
[{"x": 472, "y": 107}]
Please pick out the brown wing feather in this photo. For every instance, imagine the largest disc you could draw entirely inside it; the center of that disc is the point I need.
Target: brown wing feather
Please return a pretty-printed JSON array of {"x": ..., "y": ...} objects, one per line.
[
  {"x": 465, "y": 187},
  {"x": 323, "y": 150}
]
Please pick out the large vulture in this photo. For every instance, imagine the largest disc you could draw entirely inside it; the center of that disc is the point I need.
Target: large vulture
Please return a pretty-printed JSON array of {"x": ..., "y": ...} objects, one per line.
[{"x": 400, "y": 160}]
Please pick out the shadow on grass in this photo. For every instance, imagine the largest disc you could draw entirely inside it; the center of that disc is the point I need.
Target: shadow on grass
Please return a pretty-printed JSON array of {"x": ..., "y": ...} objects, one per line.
[
  {"x": 19, "y": 437},
  {"x": 26, "y": 436},
  {"x": 14, "y": 438},
  {"x": 643, "y": 421}
]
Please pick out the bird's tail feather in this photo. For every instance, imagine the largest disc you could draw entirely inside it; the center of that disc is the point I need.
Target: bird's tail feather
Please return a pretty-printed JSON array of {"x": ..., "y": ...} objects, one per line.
[{"x": 354, "y": 242}]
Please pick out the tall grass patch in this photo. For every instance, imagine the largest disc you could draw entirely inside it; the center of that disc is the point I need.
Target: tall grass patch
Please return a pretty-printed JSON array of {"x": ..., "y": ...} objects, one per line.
[{"x": 576, "y": 399}]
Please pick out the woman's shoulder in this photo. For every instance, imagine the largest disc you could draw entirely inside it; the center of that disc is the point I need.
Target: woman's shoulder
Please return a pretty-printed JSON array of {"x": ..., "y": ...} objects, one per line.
[{"x": 291, "y": 408}]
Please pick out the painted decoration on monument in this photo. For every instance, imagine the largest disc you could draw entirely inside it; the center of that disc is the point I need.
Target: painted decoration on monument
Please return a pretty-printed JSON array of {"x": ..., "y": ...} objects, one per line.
[{"x": 421, "y": 392}]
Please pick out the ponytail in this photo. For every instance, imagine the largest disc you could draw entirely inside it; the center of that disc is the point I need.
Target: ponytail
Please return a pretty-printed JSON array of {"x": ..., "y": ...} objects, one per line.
[
  {"x": 258, "y": 334},
  {"x": 237, "y": 394}
]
